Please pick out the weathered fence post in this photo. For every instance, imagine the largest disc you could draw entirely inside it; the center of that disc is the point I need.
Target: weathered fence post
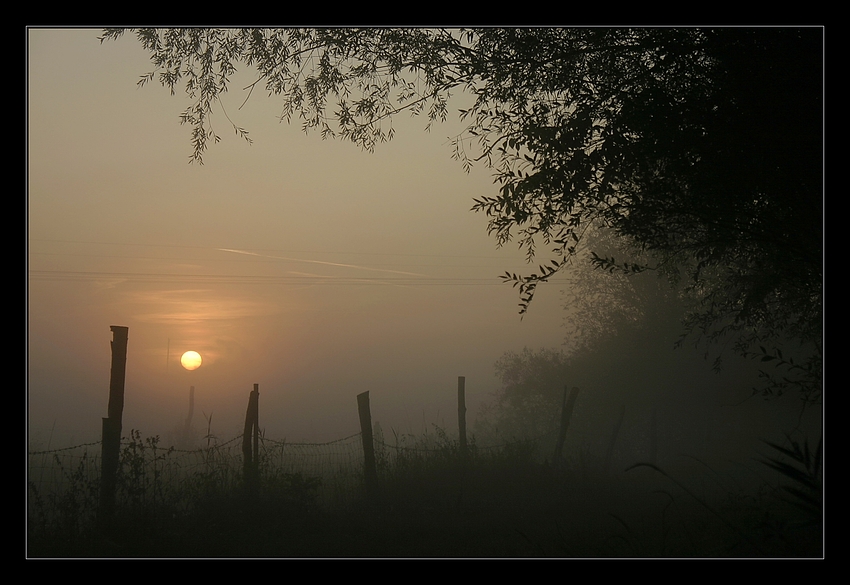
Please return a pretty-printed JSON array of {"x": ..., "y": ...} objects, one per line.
[
  {"x": 653, "y": 437},
  {"x": 369, "y": 468},
  {"x": 256, "y": 416},
  {"x": 566, "y": 415},
  {"x": 250, "y": 443},
  {"x": 111, "y": 431},
  {"x": 609, "y": 455},
  {"x": 461, "y": 415}
]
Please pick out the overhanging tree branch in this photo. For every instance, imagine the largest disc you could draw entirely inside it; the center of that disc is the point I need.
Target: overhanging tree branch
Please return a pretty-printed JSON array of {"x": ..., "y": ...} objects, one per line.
[{"x": 701, "y": 146}]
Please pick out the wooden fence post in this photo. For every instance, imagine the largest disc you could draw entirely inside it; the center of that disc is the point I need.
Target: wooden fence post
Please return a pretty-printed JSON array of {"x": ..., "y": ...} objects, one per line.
[
  {"x": 461, "y": 415},
  {"x": 566, "y": 415},
  {"x": 111, "y": 430},
  {"x": 191, "y": 412},
  {"x": 369, "y": 468},
  {"x": 609, "y": 455},
  {"x": 653, "y": 437},
  {"x": 250, "y": 443},
  {"x": 256, "y": 417}
]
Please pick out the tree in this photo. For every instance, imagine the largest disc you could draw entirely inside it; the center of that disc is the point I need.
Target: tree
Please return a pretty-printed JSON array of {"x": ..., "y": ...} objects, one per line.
[
  {"x": 699, "y": 147},
  {"x": 600, "y": 304},
  {"x": 526, "y": 407}
]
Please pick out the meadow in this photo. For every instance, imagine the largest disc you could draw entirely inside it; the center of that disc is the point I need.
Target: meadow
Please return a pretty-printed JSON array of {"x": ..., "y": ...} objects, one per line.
[{"x": 434, "y": 500}]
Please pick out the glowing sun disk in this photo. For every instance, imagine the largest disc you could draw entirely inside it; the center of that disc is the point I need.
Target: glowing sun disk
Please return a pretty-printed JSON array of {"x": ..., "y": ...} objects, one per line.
[{"x": 191, "y": 360}]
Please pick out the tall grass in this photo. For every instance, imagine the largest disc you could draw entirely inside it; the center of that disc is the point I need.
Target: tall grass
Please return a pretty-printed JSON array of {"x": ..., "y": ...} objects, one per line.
[{"x": 436, "y": 500}]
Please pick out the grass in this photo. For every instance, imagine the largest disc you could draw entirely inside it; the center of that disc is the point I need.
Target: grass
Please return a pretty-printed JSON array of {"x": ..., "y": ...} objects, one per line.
[{"x": 492, "y": 503}]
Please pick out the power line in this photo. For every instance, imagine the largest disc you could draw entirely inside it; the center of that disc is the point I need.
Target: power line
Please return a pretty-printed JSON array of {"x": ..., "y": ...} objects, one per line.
[
  {"x": 259, "y": 259},
  {"x": 256, "y": 279},
  {"x": 268, "y": 250}
]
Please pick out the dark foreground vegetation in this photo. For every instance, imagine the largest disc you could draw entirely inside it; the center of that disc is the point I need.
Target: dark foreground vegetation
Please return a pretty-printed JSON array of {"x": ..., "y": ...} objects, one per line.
[{"x": 494, "y": 503}]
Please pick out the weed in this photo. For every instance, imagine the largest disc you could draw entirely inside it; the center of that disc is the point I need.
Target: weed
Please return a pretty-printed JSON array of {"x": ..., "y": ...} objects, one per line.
[
  {"x": 498, "y": 501},
  {"x": 806, "y": 488}
]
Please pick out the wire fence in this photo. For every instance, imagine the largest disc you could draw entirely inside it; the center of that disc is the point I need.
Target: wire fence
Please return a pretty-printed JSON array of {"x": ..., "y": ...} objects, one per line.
[
  {"x": 150, "y": 473},
  {"x": 64, "y": 484}
]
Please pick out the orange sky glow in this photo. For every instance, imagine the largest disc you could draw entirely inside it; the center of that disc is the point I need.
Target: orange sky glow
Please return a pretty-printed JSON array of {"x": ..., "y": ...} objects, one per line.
[{"x": 310, "y": 267}]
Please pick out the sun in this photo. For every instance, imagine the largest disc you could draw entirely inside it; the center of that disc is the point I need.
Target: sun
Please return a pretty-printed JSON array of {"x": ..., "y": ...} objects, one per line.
[{"x": 191, "y": 360}]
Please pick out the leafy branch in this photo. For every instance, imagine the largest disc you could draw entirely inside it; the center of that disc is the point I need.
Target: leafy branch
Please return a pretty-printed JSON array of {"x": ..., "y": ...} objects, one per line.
[{"x": 804, "y": 376}]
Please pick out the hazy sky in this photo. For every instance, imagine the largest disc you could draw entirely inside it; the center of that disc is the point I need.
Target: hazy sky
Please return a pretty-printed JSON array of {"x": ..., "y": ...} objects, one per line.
[{"x": 309, "y": 267}]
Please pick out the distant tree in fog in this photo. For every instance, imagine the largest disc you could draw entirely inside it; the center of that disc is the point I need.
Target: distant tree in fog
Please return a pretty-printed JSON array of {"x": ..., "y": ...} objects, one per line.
[
  {"x": 525, "y": 407},
  {"x": 599, "y": 304}
]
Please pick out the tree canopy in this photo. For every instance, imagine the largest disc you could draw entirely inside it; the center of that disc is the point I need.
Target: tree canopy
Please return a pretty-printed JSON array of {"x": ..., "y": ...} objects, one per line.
[{"x": 700, "y": 147}]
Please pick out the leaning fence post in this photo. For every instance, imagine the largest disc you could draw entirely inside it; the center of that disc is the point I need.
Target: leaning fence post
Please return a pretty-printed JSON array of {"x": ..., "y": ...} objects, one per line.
[
  {"x": 250, "y": 442},
  {"x": 461, "y": 414},
  {"x": 369, "y": 468},
  {"x": 566, "y": 415},
  {"x": 111, "y": 431}
]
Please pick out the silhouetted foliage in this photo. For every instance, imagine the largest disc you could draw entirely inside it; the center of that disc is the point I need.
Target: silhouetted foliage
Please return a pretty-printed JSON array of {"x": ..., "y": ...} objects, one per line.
[
  {"x": 699, "y": 146},
  {"x": 805, "y": 473}
]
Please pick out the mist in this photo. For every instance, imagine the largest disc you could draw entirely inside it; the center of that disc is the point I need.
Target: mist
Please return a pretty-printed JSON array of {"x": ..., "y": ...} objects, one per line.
[{"x": 319, "y": 272}]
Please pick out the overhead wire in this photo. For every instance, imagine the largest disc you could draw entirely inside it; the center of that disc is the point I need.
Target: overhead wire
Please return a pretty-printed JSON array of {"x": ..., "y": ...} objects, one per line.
[{"x": 261, "y": 255}]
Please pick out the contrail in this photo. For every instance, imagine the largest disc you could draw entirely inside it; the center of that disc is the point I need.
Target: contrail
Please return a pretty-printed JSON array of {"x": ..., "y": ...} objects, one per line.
[{"x": 321, "y": 262}]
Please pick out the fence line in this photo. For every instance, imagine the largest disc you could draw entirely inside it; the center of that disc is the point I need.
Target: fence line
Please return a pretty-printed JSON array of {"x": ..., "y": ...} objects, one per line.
[
  {"x": 63, "y": 488},
  {"x": 50, "y": 469},
  {"x": 303, "y": 457}
]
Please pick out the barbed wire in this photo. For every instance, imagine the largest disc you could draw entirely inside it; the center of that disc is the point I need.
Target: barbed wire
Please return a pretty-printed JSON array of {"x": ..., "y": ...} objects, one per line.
[
  {"x": 51, "y": 451},
  {"x": 378, "y": 442},
  {"x": 63, "y": 484},
  {"x": 336, "y": 464}
]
